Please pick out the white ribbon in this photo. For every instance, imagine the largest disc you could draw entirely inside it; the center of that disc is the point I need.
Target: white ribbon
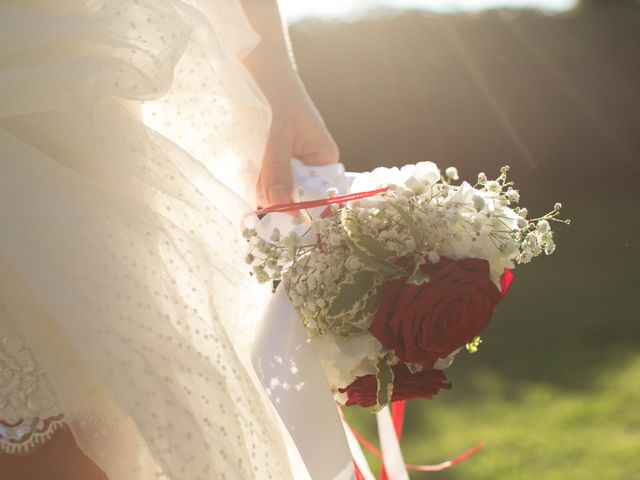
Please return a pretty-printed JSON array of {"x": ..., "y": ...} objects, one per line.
[
  {"x": 292, "y": 375},
  {"x": 392, "y": 455},
  {"x": 289, "y": 368},
  {"x": 356, "y": 452}
]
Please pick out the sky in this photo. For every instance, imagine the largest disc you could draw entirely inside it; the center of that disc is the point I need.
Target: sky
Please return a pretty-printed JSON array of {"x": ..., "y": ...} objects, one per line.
[{"x": 294, "y": 10}]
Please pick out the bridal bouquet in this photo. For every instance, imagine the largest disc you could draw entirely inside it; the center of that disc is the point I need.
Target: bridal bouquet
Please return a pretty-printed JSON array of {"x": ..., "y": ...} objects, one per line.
[{"x": 392, "y": 282}]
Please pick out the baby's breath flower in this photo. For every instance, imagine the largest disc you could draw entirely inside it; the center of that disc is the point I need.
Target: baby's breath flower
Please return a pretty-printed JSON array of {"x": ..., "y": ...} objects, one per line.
[
  {"x": 271, "y": 264},
  {"x": 312, "y": 283},
  {"x": 513, "y": 195},
  {"x": 296, "y": 299},
  {"x": 254, "y": 240},
  {"x": 317, "y": 226},
  {"x": 482, "y": 178},
  {"x": 433, "y": 256},
  {"x": 263, "y": 246},
  {"x": 301, "y": 288},
  {"x": 335, "y": 240},
  {"x": 479, "y": 202},
  {"x": 550, "y": 247},
  {"x": 452, "y": 173},
  {"x": 353, "y": 263},
  {"x": 261, "y": 275},
  {"x": 415, "y": 185},
  {"x": 493, "y": 186},
  {"x": 524, "y": 256},
  {"x": 543, "y": 226},
  {"x": 292, "y": 240}
]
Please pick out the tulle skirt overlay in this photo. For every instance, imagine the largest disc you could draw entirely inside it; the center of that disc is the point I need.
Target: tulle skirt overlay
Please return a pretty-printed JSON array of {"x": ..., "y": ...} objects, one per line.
[{"x": 130, "y": 136}]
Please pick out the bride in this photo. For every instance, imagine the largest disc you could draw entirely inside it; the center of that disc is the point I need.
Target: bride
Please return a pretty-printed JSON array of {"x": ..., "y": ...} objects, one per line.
[{"x": 133, "y": 134}]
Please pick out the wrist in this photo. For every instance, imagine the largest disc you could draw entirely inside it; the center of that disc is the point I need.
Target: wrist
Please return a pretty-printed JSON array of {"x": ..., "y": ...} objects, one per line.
[{"x": 277, "y": 78}]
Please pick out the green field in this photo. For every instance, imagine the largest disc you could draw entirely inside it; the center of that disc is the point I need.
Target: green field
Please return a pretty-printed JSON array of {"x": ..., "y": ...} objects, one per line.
[{"x": 554, "y": 392}]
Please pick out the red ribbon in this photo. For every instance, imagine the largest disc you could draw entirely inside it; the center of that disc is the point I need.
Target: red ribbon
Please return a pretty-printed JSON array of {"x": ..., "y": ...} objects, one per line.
[
  {"x": 290, "y": 207},
  {"x": 397, "y": 415}
]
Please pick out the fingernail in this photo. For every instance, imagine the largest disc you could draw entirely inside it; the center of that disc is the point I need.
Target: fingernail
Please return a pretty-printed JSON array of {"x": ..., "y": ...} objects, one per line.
[{"x": 278, "y": 194}]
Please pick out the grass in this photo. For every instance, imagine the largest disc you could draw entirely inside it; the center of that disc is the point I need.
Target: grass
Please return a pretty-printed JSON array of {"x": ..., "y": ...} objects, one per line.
[{"x": 554, "y": 392}]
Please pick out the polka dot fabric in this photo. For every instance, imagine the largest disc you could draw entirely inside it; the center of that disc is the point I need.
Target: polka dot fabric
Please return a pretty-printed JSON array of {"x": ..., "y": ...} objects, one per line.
[{"x": 130, "y": 136}]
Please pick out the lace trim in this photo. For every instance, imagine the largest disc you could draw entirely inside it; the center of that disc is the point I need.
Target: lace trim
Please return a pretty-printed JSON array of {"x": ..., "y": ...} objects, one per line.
[
  {"x": 26, "y": 435},
  {"x": 29, "y": 411}
]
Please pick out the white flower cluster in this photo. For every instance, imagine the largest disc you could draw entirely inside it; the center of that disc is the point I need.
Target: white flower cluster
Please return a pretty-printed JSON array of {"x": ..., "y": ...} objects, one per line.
[
  {"x": 334, "y": 270},
  {"x": 481, "y": 223}
]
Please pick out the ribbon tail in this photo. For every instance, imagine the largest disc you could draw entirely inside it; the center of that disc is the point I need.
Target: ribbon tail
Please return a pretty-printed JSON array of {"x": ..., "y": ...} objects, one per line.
[
  {"x": 397, "y": 414},
  {"x": 392, "y": 458},
  {"x": 398, "y": 409},
  {"x": 448, "y": 464},
  {"x": 361, "y": 466},
  {"x": 291, "y": 373}
]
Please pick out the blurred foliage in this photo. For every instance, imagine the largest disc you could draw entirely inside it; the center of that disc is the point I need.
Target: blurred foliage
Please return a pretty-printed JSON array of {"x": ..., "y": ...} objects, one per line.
[
  {"x": 607, "y": 3},
  {"x": 554, "y": 390},
  {"x": 557, "y": 97}
]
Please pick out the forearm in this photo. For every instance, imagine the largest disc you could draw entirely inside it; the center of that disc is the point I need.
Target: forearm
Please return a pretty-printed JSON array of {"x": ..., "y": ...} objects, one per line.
[
  {"x": 274, "y": 51},
  {"x": 297, "y": 129}
]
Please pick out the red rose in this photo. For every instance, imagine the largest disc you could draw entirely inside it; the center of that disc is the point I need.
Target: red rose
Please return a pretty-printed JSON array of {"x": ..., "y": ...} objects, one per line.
[
  {"x": 423, "y": 323},
  {"x": 425, "y": 384}
]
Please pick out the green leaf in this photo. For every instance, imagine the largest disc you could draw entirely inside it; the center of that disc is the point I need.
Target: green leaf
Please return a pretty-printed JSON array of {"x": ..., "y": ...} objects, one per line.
[
  {"x": 350, "y": 292},
  {"x": 357, "y": 320},
  {"x": 410, "y": 223},
  {"x": 414, "y": 368},
  {"x": 371, "y": 245},
  {"x": 374, "y": 263},
  {"x": 372, "y": 303},
  {"x": 347, "y": 329},
  {"x": 384, "y": 376},
  {"x": 418, "y": 278}
]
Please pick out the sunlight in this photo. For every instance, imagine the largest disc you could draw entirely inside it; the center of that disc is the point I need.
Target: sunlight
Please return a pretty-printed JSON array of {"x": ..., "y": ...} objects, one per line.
[{"x": 294, "y": 10}]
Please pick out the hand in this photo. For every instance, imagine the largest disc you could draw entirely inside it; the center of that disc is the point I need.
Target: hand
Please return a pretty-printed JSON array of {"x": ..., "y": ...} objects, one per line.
[{"x": 297, "y": 131}]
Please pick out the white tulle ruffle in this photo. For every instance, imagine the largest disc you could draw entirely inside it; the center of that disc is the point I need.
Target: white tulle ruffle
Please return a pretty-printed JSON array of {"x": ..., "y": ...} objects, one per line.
[{"x": 129, "y": 140}]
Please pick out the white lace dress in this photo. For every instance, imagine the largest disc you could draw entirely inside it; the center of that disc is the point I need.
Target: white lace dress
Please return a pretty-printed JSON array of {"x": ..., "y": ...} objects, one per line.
[
  {"x": 29, "y": 411},
  {"x": 130, "y": 136}
]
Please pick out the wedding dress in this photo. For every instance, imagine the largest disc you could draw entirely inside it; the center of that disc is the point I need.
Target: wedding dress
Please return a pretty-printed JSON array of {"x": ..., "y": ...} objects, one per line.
[{"x": 130, "y": 136}]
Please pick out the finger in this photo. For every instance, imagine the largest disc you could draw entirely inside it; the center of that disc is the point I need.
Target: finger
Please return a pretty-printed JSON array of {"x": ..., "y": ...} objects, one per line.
[
  {"x": 275, "y": 174},
  {"x": 260, "y": 197},
  {"x": 325, "y": 152}
]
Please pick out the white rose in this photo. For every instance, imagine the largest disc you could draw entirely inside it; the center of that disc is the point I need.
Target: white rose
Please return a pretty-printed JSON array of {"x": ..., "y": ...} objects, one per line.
[
  {"x": 425, "y": 172},
  {"x": 345, "y": 358}
]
